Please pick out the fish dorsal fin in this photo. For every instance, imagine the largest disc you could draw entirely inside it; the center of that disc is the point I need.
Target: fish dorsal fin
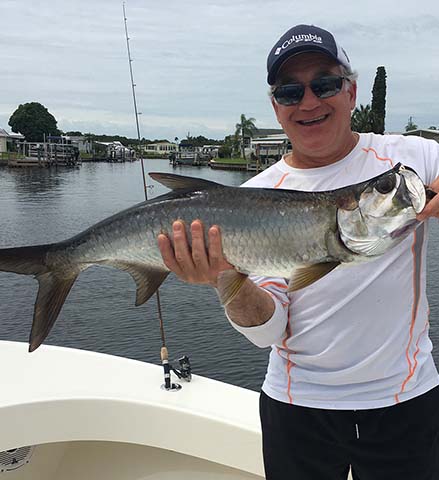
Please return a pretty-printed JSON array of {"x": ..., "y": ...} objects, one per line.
[
  {"x": 180, "y": 182},
  {"x": 304, "y": 276}
]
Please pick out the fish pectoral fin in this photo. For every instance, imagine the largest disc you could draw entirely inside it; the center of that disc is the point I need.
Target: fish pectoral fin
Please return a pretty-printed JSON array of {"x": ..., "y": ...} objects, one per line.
[
  {"x": 304, "y": 276},
  {"x": 180, "y": 182},
  {"x": 228, "y": 285},
  {"x": 52, "y": 292},
  {"x": 148, "y": 279}
]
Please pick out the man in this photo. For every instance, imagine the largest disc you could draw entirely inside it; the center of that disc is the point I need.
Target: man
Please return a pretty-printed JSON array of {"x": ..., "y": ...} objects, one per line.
[{"x": 351, "y": 380}]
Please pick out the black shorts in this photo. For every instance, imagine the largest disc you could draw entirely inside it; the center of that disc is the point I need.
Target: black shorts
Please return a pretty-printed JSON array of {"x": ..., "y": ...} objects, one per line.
[{"x": 400, "y": 442}]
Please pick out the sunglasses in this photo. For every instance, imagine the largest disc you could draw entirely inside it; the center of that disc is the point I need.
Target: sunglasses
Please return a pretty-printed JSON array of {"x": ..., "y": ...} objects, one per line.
[{"x": 323, "y": 87}]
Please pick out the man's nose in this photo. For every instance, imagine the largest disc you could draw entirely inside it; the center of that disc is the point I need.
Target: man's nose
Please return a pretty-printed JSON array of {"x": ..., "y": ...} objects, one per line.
[{"x": 310, "y": 101}]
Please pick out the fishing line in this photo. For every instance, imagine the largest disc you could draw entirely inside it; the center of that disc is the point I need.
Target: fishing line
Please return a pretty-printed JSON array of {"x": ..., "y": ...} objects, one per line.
[{"x": 164, "y": 350}]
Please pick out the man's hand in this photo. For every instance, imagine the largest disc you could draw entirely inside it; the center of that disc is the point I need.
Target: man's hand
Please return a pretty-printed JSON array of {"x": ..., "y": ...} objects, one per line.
[
  {"x": 197, "y": 264},
  {"x": 432, "y": 207}
]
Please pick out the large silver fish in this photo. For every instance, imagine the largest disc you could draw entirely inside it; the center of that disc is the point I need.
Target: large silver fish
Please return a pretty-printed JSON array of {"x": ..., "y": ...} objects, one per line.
[{"x": 281, "y": 233}]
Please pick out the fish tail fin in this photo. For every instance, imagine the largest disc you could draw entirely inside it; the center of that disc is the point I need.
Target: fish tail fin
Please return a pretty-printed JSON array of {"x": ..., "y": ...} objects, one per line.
[
  {"x": 52, "y": 292},
  {"x": 54, "y": 285}
]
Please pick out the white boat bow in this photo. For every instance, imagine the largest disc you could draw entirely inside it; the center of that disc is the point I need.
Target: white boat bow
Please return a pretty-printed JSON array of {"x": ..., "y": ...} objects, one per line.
[{"x": 96, "y": 416}]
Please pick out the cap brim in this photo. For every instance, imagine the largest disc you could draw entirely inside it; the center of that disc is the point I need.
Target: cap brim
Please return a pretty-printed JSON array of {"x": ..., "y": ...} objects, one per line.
[{"x": 293, "y": 53}]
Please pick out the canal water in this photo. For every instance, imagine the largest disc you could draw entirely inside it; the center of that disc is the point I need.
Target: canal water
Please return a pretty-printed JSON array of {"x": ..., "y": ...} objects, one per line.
[{"x": 44, "y": 206}]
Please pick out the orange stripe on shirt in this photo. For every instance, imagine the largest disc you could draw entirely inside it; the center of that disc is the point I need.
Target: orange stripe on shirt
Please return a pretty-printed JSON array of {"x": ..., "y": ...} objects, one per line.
[
  {"x": 275, "y": 284},
  {"x": 383, "y": 159},
  {"x": 290, "y": 364},
  {"x": 411, "y": 368},
  {"x": 279, "y": 183}
]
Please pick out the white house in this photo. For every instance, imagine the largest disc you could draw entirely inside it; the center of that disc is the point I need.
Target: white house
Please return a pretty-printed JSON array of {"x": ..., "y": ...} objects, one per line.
[
  {"x": 270, "y": 148},
  {"x": 10, "y": 138},
  {"x": 161, "y": 148},
  {"x": 81, "y": 142}
]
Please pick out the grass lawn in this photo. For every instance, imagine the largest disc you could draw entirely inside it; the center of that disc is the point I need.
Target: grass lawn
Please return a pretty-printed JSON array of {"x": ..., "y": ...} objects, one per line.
[{"x": 7, "y": 155}]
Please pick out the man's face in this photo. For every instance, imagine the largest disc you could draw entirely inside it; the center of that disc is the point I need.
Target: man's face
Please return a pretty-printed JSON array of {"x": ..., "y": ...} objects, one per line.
[{"x": 332, "y": 129}]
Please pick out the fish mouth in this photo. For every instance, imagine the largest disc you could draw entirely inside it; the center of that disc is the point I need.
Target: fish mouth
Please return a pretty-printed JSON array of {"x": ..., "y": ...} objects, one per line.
[
  {"x": 401, "y": 231},
  {"x": 313, "y": 121}
]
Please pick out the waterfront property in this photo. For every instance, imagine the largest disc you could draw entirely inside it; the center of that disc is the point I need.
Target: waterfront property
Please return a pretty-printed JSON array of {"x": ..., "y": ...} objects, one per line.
[
  {"x": 160, "y": 149},
  {"x": 270, "y": 148},
  {"x": 83, "y": 143},
  {"x": 113, "y": 152},
  {"x": 56, "y": 151},
  {"x": 8, "y": 143}
]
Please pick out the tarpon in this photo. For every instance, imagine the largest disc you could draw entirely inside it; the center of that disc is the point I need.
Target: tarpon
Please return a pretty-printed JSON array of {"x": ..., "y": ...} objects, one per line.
[{"x": 281, "y": 233}]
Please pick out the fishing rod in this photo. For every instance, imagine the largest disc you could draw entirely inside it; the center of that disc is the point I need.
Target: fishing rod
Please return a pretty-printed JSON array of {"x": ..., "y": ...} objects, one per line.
[{"x": 185, "y": 367}]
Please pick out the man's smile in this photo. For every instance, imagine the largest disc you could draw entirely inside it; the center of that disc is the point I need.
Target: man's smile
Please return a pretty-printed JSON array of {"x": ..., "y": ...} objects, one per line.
[{"x": 313, "y": 121}]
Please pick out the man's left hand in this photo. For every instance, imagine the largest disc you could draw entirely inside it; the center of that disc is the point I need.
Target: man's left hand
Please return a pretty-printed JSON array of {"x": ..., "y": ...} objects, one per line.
[{"x": 432, "y": 207}]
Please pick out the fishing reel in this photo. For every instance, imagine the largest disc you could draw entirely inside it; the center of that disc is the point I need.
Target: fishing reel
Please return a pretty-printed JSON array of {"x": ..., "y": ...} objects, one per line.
[{"x": 185, "y": 371}]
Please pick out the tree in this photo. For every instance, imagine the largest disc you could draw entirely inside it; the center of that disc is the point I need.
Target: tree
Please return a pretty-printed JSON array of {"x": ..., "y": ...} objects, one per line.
[
  {"x": 410, "y": 125},
  {"x": 245, "y": 128},
  {"x": 33, "y": 120},
  {"x": 74, "y": 133},
  {"x": 362, "y": 119},
  {"x": 378, "y": 106}
]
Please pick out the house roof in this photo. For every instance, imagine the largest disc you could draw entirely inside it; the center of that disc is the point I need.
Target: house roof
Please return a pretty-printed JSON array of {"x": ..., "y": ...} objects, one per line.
[
  {"x": 4, "y": 133},
  {"x": 419, "y": 130},
  {"x": 424, "y": 132},
  {"x": 262, "y": 132}
]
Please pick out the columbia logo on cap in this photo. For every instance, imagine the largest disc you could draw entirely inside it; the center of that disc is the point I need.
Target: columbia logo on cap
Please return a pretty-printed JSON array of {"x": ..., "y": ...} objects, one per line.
[{"x": 297, "y": 39}]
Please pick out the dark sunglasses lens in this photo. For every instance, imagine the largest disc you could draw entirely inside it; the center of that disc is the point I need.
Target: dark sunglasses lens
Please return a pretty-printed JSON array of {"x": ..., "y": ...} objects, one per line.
[
  {"x": 290, "y": 94},
  {"x": 328, "y": 86}
]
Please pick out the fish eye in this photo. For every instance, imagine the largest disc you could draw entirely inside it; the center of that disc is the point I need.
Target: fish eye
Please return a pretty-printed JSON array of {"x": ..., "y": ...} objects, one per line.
[{"x": 386, "y": 184}]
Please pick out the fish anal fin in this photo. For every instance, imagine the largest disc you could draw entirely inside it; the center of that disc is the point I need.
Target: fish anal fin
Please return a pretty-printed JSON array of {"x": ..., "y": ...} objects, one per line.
[
  {"x": 180, "y": 182},
  {"x": 148, "y": 279},
  {"x": 228, "y": 285},
  {"x": 304, "y": 276},
  {"x": 52, "y": 292}
]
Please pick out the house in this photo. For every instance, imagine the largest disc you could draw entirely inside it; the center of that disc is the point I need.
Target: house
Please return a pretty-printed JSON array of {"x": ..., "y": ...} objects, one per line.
[
  {"x": 425, "y": 133},
  {"x": 8, "y": 139},
  {"x": 210, "y": 150},
  {"x": 270, "y": 148},
  {"x": 84, "y": 145},
  {"x": 116, "y": 151},
  {"x": 160, "y": 148}
]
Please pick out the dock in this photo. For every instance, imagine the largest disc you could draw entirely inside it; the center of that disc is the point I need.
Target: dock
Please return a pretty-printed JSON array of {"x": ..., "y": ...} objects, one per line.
[
  {"x": 249, "y": 166},
  {"x": 44, "y": 155}
]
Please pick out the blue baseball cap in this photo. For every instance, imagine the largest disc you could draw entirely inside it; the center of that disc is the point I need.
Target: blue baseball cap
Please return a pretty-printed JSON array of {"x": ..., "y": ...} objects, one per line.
[{"x": 304, "y": 38}]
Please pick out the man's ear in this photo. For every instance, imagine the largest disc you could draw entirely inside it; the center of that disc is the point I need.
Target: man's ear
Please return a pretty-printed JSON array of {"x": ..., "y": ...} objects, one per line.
[
  {"x": 353, "y": 94},
  {"x": 275, "y": 108}
]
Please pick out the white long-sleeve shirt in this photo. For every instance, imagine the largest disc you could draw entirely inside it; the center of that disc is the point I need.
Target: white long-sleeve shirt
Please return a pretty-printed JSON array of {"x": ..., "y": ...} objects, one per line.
[{"x": 358, "y": 338}]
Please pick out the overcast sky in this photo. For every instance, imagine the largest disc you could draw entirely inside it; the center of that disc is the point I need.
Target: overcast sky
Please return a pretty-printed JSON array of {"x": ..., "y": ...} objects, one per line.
[{"x": 199, "y": 64}]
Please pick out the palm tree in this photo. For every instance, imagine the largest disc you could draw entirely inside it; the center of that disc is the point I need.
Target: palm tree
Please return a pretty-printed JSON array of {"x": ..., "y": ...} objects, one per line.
[
  {"x": 362, "y": 119},
  {"x": 245, "y": 128},
  {"x": 411, "y": 125}
]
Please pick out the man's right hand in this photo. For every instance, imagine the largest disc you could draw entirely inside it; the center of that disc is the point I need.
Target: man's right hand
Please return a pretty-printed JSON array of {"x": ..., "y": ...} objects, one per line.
[{"x": 198, "y": 264}]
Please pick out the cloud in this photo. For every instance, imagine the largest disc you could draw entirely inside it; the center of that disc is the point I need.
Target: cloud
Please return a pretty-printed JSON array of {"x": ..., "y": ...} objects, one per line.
[{"x": 198, "y": 65}]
